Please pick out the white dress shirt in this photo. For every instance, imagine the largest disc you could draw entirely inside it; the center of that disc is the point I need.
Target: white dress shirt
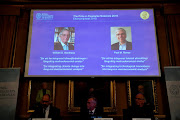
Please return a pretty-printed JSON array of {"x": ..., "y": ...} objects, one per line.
[
  {"x": 91, "y": 112},
  {"x": 47, "y": 111},
  {"x": 122, "y": 47},
  {"x": 65, "y": 47}
]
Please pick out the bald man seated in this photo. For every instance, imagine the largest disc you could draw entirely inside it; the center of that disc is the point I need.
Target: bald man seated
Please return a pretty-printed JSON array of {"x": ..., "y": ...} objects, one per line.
[{"x": 46, "y": 110}]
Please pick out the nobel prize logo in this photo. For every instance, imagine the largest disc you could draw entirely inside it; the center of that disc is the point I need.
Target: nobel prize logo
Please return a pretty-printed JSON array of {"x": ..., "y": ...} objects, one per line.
[
  {"x": 38, "y": 15},
  {"x": 144, "y": 15},
  {"x": 174, "y": 90},
  {"x": 44, "y": 16}
]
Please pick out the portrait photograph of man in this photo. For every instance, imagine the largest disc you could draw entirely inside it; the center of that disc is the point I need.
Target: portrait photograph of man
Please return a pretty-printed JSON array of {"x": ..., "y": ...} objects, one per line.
[
  {"x": 64, "y": 38},
  {"x": 121, "y": 38}
]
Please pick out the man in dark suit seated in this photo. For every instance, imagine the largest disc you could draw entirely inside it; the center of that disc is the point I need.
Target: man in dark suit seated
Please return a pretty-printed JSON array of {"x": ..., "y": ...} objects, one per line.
[
  {"x": 140, "y": 110},
  {"x": 91, "y": 110},
  {"x": 123, "y": 44},
  {"x": 63, "y": 43},
  {"x": 46, "y": 110}
]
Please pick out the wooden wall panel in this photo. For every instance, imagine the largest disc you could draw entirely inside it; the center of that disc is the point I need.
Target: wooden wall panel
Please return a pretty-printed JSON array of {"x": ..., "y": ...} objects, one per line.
[
  {"x": 9, "y": 10},
  {"x": 78, "y": 1},
  {"x": 19, "y": 61},
  {"x": 174, "y": 37},
  {"x": 91, "y": 6},
  {"x": 165, "y": 60},
  {"x": 164, "y": 55},
  {"x": 172, "y": 8},
  {"x": 7, "y": 33},
  {"x": 121, "y": 96},
  {"x": 61, "y": 100},
  {"x": 163, "y": 105},
  {"x": 21, "y": 40}
]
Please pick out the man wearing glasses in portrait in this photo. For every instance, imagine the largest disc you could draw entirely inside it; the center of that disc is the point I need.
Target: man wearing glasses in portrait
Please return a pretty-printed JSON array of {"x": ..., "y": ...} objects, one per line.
[
  {"x": 63, "y": 44},
  {"x": 122, "y": 43}
]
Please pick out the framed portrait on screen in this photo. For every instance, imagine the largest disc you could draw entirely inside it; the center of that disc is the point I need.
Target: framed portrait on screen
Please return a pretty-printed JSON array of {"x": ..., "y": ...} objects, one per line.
[
  {"x": 80, "y": 91},
  {"x": 36, "y": 91},
  {"x": 145, "y": 87},
  {"x": 121, "y": 35},
  {"x": 64, "y": 35}
]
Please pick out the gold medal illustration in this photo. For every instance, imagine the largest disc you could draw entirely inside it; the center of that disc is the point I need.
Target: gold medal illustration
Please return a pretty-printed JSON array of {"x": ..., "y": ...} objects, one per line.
[{"x": 144, "y": 15}]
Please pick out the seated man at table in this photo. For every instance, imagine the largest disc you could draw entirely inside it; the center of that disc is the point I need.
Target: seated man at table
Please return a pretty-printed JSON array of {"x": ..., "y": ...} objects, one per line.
[
  {"x": 92, "y": 110},
  {"x": 46, "y": 110},
  {"x": 140, "y": 109}
]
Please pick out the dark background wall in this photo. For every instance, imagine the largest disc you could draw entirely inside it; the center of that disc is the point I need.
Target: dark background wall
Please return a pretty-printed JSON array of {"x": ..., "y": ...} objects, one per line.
[{"x": 14, "y": 24}]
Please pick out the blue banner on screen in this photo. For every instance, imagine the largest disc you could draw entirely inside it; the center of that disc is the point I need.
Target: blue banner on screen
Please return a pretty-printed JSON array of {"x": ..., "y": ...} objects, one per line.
[{"x": 91, "y": 43}]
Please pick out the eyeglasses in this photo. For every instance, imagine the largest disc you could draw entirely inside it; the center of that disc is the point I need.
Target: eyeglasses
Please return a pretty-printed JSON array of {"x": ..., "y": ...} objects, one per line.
[
  {"x": 121, "y": 34},
  {"x": 45, "y": 101},
  {"x": 139, "y": 98},
  {"x": 65, "y": 35}
]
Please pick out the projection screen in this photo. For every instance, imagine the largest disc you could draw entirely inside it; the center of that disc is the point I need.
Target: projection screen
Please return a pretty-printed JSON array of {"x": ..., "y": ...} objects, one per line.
[{"x": 92, "y": 43}]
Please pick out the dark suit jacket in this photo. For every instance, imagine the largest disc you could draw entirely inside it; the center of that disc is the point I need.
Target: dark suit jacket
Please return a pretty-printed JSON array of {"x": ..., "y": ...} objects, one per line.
[
  {"x": 97, "y": 113},
  {"x": 115, "y": 46},
  {"x": 139, "y": 112},
  {"x": 54, "y": 113},
  {"x": 58, "y": 46}
]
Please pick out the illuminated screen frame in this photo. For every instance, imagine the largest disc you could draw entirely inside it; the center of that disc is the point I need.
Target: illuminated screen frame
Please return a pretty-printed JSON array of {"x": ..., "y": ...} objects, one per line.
[{"x": 30, "y": 37}]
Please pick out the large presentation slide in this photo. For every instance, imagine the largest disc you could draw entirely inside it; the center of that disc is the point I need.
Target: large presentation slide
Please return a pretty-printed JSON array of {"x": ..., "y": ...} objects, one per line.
[{"x": 92, "y": 43}]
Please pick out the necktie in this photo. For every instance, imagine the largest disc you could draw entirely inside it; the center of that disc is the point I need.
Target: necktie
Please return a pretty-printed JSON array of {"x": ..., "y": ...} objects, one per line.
[{"x": 44, "y": 92}]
